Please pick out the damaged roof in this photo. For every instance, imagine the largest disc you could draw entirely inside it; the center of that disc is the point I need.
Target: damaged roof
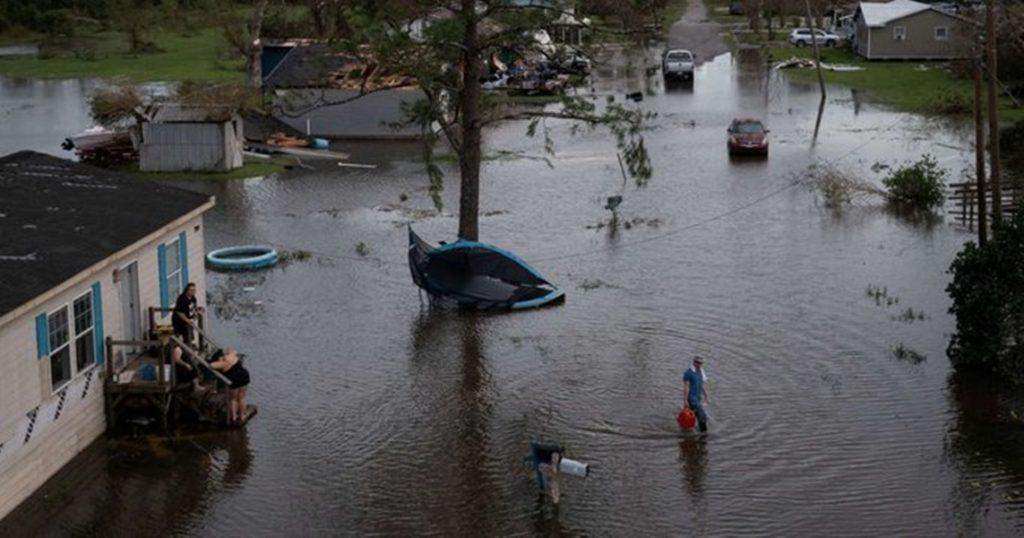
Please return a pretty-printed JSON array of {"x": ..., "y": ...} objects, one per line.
[
  {"x": 59, "y": 217},
  {"x": 307, "y": 66},
  {"x": 320, "y": 66}
]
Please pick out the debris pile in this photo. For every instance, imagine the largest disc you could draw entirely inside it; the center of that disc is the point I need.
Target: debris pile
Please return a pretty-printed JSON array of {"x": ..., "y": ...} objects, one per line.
[{"x": 808, "y": 63}]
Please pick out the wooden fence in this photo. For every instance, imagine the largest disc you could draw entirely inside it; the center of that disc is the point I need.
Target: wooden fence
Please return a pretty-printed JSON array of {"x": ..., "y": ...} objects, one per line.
[{"x": 962, "y": 201}]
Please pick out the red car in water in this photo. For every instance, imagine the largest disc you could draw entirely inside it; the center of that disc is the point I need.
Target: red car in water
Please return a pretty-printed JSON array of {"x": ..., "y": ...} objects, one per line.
[{"x": 747, "y": 136}]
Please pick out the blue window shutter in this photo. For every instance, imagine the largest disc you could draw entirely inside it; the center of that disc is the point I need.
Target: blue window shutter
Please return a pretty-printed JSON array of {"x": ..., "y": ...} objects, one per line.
[
  {"x": 161, "y": 262},
  {"x": 42, "y": 336},
  {"x": 183, "y": 250},
  {"x": 97, "y": 318}
]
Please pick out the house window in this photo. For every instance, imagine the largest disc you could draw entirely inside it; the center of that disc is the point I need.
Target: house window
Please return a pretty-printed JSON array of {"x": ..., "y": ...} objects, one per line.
[
  {"x": 85, "y": 343},
  {"x": 174, "y": 284},
  {"x": 899, "y": 33},
  {"x": 941, "y": 33},
  {"x": 60, "y": 348},
  {"x": 72, "y": 341}
]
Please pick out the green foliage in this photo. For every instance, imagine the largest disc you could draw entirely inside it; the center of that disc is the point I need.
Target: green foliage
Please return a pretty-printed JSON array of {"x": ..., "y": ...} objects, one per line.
[
  {"x": 918, "y": 185},
  {"x": 281, "y": 21},
  {"x": 58, "y": 23},
  {"x": 953, "y": 104},
  {"x": 434, "y": 56},
  {"x": 988, "y": 302}
]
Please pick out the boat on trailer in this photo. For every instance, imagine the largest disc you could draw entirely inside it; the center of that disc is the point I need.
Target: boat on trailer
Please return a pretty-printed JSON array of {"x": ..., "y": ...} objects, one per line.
[{"x": 478, "y": 276}]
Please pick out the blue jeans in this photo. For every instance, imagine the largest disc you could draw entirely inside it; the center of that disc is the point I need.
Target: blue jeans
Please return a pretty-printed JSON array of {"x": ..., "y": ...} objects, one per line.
[{"x": 702, "y": 417}]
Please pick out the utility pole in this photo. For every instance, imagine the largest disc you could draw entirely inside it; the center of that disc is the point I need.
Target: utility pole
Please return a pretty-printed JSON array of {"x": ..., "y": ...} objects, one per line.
[
  {"x": 821, "y": 77},
  {"x": 979, "y": 151},
  {"x": 993, "y": 111}
]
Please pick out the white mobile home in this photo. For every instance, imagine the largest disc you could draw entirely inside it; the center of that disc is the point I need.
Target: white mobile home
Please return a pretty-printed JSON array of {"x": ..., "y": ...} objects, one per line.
[{"x": 84, "y": 252}]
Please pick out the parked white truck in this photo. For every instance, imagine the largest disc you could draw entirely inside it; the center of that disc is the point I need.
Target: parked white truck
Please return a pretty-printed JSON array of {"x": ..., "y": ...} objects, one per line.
[{"x": 677, "y": 64}]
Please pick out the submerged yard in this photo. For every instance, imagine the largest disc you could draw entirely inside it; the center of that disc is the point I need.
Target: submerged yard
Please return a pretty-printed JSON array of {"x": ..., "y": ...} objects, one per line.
[{"x": 920, "y": 87}]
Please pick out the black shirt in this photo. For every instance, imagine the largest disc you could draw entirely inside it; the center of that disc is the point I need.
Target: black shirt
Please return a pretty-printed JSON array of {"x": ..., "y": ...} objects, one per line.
[{"x": 185, "y": 306}]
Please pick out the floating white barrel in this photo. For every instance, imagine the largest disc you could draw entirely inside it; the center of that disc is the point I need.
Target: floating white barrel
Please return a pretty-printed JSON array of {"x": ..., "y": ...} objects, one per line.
[{"x": 573, "y": 467}]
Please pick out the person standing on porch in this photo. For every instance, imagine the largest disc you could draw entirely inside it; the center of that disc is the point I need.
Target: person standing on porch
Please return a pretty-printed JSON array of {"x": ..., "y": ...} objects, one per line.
[
  {"x": 695, "y": 392},
  {"x": 184, "y": 316}
]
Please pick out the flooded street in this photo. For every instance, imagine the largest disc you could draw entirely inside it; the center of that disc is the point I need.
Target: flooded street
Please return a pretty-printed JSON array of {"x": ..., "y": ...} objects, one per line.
[{"x": 380, "y": 416}]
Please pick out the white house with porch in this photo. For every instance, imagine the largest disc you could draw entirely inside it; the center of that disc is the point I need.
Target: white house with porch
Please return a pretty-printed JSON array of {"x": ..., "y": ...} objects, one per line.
[{"x": 84, "y": 252}]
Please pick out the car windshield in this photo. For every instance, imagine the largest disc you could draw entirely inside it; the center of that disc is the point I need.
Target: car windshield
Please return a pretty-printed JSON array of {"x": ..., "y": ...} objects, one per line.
[
  {"x": 750, "y": 127},
  {"x": 679, "y": 56}
]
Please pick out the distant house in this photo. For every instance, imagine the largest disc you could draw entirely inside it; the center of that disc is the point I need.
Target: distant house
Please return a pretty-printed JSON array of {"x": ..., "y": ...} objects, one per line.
[
  {"x": 908, "y": 30},
  {"x": 316, "y": 90},
  {"x": 83, "y": 252},
  {"x": 179, "y": 138}
]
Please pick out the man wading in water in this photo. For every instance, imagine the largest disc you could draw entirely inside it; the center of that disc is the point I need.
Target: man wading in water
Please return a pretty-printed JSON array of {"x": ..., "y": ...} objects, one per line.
[{"x": 695, "y": 392}]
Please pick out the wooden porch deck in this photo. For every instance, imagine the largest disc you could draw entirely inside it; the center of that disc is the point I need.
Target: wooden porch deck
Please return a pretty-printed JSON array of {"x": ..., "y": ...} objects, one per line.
[{"x": 141, "y": 372}]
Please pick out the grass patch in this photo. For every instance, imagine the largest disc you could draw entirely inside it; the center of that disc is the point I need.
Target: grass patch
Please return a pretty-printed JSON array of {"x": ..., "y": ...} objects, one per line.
[
  {"x": 200, "y": 56},
  {"x": 247, "y": 170},
  {"x": 902, "y": 85}
]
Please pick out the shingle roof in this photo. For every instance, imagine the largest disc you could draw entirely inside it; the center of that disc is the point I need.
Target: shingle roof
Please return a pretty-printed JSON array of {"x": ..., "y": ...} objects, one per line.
[
  {"x": 306, "y": 67},
  {"x": 879, "y": 14},
  {"x": 58, "y": 218}
]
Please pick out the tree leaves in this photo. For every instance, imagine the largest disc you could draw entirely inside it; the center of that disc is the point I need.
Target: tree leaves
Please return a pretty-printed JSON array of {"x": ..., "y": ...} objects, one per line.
[{"x": 427, "y": 39}]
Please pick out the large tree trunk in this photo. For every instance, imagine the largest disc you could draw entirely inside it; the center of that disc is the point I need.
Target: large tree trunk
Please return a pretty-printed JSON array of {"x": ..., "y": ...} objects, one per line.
[
  {"x": 469, "y": 158},
  {"x": 993, "y": 112},
  {"x": 254, "y": 52}
]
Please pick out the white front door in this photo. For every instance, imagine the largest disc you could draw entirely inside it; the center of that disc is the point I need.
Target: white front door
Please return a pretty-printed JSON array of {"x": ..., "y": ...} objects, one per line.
[{"x": 131, "y": 313}]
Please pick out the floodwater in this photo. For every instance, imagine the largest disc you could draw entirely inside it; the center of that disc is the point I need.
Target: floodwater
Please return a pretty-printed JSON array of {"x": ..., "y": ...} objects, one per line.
[
  {"x": 380, "y": 416},
  {"x": 19, "y": 50}
]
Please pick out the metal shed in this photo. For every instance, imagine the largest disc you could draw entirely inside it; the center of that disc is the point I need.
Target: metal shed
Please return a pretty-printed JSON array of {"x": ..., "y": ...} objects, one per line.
[{"x": 179, "y": 138}]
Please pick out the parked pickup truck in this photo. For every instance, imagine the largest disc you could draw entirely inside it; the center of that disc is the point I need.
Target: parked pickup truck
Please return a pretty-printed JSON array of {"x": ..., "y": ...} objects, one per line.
[{"x": 677, "y": 64}]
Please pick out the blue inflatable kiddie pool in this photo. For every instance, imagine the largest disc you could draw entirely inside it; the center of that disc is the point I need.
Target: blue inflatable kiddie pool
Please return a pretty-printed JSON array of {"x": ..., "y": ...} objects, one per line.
[{"x": 241, "y": 258}]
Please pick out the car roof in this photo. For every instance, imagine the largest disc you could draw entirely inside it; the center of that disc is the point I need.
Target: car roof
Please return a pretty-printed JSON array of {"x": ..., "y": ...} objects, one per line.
[
  {"x": 670, "y": 51},
  {"x": 747, "y": 120}
]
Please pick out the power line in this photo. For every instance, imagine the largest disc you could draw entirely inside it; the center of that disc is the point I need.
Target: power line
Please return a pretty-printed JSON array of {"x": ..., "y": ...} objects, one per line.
[
  {"x": 618, "y": 246},
  {"x": 719, "y": 216}
]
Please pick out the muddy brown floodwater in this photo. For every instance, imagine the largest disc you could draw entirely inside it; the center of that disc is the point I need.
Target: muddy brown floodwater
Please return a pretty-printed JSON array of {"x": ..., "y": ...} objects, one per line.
[{"x": 379, "y": 416}]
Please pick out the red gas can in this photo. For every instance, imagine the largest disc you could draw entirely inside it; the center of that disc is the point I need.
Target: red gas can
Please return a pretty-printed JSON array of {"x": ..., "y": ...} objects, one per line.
[{"x": 686, "y": 419}]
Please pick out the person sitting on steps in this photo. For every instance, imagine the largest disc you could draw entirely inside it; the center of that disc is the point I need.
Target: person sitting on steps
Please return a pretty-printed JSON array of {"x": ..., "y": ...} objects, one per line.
[{"x": 184, "y": 372}]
